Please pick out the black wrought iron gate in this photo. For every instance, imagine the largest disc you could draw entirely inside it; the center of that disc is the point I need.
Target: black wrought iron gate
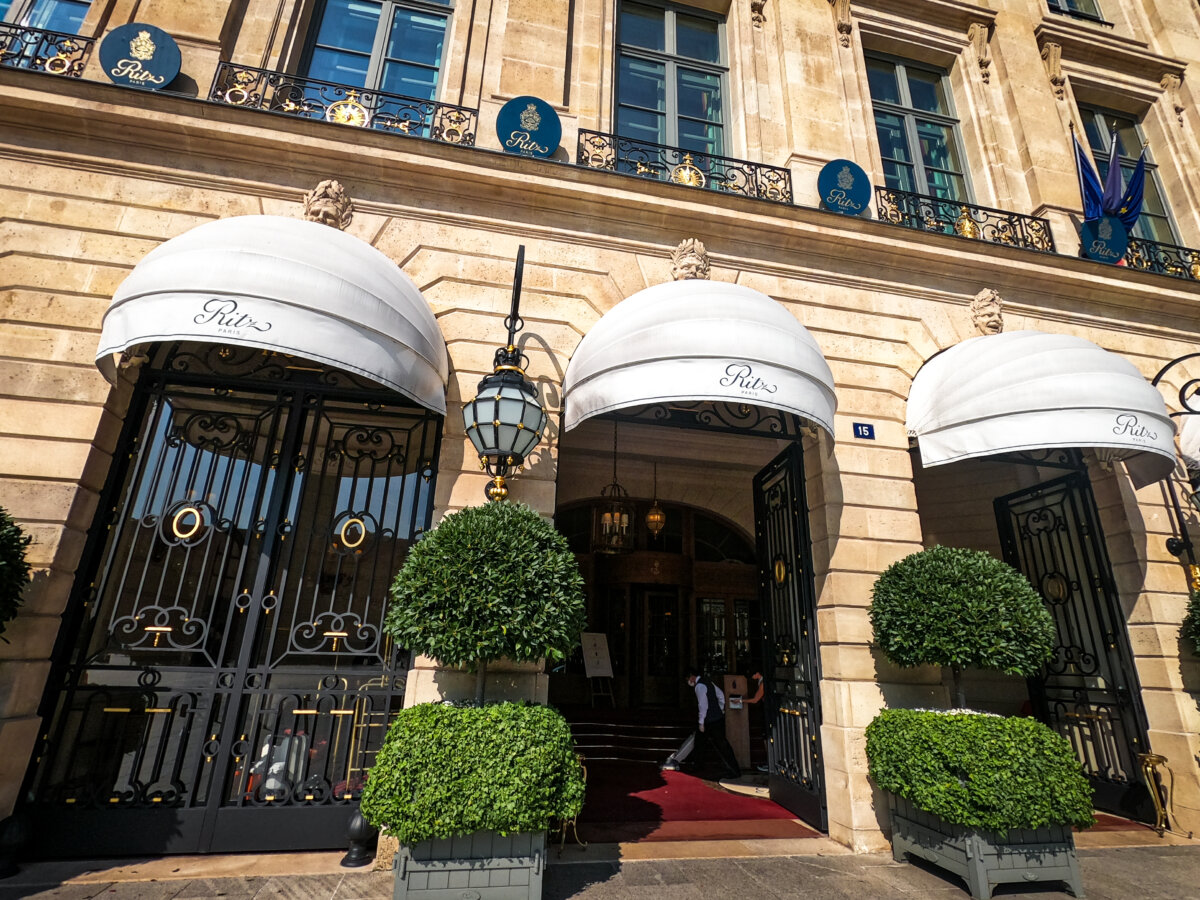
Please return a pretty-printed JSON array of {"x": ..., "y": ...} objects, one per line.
[
  {"x": 791, "y": 654},
  {"x": 222, "y": 682},
  {"x": 1089, "y": 691}
]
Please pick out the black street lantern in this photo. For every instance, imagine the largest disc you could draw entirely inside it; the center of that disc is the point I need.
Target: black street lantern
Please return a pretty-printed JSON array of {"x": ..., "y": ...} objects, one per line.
[{"x": 505, "y": 421}]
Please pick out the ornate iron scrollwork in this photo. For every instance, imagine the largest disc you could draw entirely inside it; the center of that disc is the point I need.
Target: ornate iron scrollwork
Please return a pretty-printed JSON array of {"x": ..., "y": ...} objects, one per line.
[
  {"x": 736, "y": 418},
  {"x": 1163, "y": 259},
  {"x": 40, "y": 50},
  {"x": 597, "y": 150},
  {"x": 309, "y": 98},
  {"x": 977, "y": 223}
]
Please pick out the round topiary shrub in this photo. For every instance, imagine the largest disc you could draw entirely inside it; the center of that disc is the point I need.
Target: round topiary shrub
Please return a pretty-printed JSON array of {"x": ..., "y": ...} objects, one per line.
[
  {"x": 14, "y": 569},
  {"x": 1190, "y": 630},
  {"x": 979, "y": 771},
  {"x": 949, "y": 606},
  {"x": 449, "y": 770},
  {"x": 489, "y": 582}
]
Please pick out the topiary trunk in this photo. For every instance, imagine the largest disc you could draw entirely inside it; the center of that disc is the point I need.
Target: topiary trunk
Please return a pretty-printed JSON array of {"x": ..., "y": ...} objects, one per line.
[
  {"x": 960, "y": 697},
  {"x": 480, "y": 681}
]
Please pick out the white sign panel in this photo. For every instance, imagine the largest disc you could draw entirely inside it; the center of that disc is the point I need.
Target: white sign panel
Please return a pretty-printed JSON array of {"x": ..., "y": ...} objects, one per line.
[{"x": 596, "y": 662}]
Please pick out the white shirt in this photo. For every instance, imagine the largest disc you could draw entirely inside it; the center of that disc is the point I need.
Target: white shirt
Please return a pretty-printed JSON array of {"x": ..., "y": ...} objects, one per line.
[{"x": 702, "y": 699}]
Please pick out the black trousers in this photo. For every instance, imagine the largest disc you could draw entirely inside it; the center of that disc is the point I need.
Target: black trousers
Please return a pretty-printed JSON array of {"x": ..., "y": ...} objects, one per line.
[{"x": 714, "y": 735}]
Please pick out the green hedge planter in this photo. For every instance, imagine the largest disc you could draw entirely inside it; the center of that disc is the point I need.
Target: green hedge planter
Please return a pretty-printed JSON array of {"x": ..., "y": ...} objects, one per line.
[
  {"x": 469, "y": 792},
  {"x": 991, "y": 799},
  {"x": 984, "y": 859}
]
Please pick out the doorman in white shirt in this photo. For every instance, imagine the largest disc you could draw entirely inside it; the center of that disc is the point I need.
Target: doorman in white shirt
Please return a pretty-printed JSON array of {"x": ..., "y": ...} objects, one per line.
[{"x": 710, "y": 703}]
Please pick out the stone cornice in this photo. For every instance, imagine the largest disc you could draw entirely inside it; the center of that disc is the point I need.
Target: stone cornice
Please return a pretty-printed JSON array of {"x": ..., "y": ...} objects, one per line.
[
  {"x": 952, "y": 15},
  {"x": 941, "y": 26},
  {"x": 98, "y": 127},
  {"x": 1103, "y": 50}
]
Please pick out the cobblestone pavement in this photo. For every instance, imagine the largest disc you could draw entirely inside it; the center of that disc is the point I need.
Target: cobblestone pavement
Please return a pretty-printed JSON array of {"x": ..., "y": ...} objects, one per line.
[{"x": 1138, "y": 873}]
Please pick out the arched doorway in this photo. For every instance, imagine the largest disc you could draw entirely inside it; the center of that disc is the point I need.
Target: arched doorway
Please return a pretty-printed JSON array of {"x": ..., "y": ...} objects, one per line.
[
  {"x": 223, "y": 682},
  {"x": 688, "y": 594}
]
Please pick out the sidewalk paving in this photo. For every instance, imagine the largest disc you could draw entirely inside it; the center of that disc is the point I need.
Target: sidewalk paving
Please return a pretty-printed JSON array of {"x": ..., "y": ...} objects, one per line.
[{"x": 1167, "y": 871}]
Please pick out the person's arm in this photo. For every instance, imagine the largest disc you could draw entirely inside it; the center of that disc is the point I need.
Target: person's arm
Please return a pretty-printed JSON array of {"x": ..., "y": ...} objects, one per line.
[
  {"x": 720, "y": 698},
  {"x": 702, "y": 702}
]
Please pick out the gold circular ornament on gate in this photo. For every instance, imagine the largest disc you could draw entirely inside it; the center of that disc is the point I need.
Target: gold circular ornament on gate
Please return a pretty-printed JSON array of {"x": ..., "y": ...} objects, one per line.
[
  {"x": 687, "y": 174},
  {"x": 176, "y": 522},
  {"x": 1055, "y": 587},
  {"x": 780, "y": 571},
  {"x": 362, "y": 533},
  {"x": 348, "y": 111}
]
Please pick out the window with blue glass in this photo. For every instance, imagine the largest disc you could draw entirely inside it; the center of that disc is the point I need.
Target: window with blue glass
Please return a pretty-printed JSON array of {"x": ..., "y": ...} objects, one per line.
[
  {"x": 918, "y": 133},
  {"x": 380, "y": 45},
  {"x": 1154, "y": 223},
  {"x": 1080, "y": 9},
  {"x": 670, "y": 77},
  {"x": 52, "y": 15}
]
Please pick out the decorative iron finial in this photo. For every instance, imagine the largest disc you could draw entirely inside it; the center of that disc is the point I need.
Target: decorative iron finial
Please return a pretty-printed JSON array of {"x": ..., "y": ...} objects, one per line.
[
  {"x": 689, "y": 260},
  {"x": 328, "y": 204},
  {"x": 986, "y": 311}
]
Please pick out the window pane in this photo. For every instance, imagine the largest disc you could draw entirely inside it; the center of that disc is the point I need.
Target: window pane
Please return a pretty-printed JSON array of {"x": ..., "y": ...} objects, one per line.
[
  {"x": 937, "y": 146},
  {"x": 1154, "y": 228},
  {"x": 640, "y": 125},
  {"x": 882, "y": 78},
  {"x": 417, "y": 37},
  {"x": 897, "y": 176},
  {"x": 336, "y": 65},
  {"x": 699, "y": 95},
  {"x": 945, "y": 185},
  {"x": 1152, "y": 200},
  {"x": 57, "y": 15},
  {"x": 4, "y": 5},
  {"x": 1088, "y": 7},
  {"x": 642, "y": 26},
  {"x": 700, "y": 137},
  {"x": 697, "y": 38},
  {"x": 927, "y": 92},
  {"x": 642, "y": 83},
  {"x": 1097, "y": 133},
  {"x": 892, "y": 143},
  {"x": 349, "y": 24},
  {"x": 409, "y": 80}
]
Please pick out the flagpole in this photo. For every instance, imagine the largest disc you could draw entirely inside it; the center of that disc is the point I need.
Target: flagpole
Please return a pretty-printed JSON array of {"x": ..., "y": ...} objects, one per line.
[{"x": 1078, "y": 171}]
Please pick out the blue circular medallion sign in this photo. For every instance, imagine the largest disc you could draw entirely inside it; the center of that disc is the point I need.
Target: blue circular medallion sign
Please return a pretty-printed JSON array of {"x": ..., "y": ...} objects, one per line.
[
  {"x": 1104, "y": 240},
  {"x": 844, "y": 188},
  {"x": 140, "y": 55},
  {"x": 528, "y": 126}
]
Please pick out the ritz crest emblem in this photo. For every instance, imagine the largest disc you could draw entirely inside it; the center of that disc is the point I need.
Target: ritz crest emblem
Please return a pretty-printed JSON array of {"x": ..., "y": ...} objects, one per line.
[
  {"x": 142, "y": 47},
  {"x": 845, "y": 178},
  {"x": 530, "y": 119}
]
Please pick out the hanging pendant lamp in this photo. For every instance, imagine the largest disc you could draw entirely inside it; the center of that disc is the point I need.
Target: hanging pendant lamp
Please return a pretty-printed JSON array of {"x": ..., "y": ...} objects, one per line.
[
  {"x": 656, "y": 519},
  {"x": 613, "y": 532}
]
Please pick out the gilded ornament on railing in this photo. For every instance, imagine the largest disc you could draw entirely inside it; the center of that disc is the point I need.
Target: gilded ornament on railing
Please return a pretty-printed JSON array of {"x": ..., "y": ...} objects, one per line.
[
  {"x": 60, "y": 63},
  {"x": 238, "y": 95},
  {"x": 348, "y": 111},
  {"x": 142, "y": 47},
  {"x": 686, "y": 173},
  {"x": 966, "y": 226}
]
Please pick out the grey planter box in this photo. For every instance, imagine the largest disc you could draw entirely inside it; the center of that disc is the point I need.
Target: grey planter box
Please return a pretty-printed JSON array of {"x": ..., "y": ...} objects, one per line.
[
  {"x": 479, "y": 866},
  {"x": 985, "y": 859}
]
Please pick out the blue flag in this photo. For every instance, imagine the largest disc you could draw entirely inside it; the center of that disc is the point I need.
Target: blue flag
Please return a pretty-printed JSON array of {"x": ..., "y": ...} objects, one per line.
[
  {"x": 1090, "y": 190},
  {"x": 1113, "y": 188},
  {"x": 1135, "y": 192}
]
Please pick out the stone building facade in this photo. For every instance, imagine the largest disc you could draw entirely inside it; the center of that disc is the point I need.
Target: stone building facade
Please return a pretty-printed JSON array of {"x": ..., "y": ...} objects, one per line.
[{"x": 970, "y": 103}]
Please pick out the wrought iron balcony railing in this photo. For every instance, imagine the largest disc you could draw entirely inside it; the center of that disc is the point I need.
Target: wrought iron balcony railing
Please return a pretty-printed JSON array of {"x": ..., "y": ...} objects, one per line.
[
  {"x": 1165, "y": 259},
  {"x": 308, "y": 98},
  {"x": 44, "y": 51},
  {"x": 643, "y": 159},
  {"x": 966, "y": 220}
]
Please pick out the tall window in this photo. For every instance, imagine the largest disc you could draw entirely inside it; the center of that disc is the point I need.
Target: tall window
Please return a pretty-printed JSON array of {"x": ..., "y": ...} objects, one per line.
[
  {"x": 380, "y": 45},
  {"x": 918, "y": 134},
  {"x": 1155, "y": 222},
  {"x": 1082, "y": 9},
  {"x": 670, "y": 78},
  {"x": 53, "y": 15}
]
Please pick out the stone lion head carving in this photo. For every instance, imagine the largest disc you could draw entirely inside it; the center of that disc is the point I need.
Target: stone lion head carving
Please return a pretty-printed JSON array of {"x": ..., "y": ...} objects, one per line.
[
  {"x": 328, "y": 204},
  {"x": 689, "y": 260},
  {"x": 986, "y": 311}
]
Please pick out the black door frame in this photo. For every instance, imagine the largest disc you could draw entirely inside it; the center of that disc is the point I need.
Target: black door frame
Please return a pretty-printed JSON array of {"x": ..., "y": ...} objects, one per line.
[
  {"x": 307, "y": 816},
  {"x": 1106, "y": 724}
]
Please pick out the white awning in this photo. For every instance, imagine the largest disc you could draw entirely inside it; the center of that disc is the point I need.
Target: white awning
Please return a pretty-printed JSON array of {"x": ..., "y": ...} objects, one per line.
[
  {"x": 698, "y": 340},
  {"x": 287, "y": 285},
  {"x": 1028, "y": 390}
]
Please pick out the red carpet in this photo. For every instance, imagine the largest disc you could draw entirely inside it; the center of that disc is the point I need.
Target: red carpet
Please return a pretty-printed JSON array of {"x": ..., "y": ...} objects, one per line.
[{"x": 632, "y": 802}]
